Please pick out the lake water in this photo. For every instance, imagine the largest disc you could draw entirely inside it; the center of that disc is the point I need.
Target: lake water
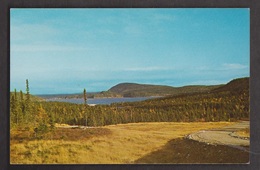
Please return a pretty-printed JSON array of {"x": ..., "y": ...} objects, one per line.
[{"x": 102, "y": 100}]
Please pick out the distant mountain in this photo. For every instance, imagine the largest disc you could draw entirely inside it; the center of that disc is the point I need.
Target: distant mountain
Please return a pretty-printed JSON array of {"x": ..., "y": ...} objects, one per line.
[
  {"x": 147, "y": 90},
  {"x": 137, "y": 90},
  {"x": 142, "y": 90}
]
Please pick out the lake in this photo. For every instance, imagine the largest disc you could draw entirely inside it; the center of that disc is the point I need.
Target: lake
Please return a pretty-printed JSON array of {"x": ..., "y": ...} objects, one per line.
[{"x": 102, "y": 100}]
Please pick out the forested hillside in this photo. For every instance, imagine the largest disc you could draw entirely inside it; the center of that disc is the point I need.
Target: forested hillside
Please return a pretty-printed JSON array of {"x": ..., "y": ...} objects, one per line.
[
  {"x": 139, "y": 90},
  {"x": 235, "y": 86},
  {"x": 227, "y": 103}
]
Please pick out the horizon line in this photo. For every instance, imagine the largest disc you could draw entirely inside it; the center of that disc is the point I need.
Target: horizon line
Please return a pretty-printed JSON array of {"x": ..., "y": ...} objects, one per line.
[{"x": 74, "y": 93}]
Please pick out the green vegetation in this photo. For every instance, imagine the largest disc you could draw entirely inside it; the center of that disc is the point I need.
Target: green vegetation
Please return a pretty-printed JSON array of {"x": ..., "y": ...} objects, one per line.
[
  {"x": 85, "y": 107},
  {"x": 27, "y": 113},
  {"x": 142, "y": 90},
  {"x": 36, "y": 138},
  {"x": 227, "y": 103},
  {"x": 21, "y": 96}
]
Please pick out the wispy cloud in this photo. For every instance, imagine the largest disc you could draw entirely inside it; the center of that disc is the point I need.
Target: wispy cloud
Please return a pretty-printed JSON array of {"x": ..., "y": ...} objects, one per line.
[
  {"x": 49, "y": 48},
  {"x": 233, "y": 66},
  {"x": 207, "y": 82},
  {"x": 223, "y": 67},
  {"x": 158, "y": 46},
  {"x": 154, "y": 68}
]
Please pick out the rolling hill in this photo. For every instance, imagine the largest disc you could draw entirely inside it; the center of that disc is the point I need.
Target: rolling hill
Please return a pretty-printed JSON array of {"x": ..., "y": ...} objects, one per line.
[
  {"x": 229, "y": 102},
  {"x": 147, "y": 90},
  {"x": 142, "y": 90},
  {"x": 236, "y": 85}
]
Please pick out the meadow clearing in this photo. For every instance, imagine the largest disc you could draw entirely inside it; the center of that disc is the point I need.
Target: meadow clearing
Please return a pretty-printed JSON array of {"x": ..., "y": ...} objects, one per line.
[{"x": 116, "y": 144}]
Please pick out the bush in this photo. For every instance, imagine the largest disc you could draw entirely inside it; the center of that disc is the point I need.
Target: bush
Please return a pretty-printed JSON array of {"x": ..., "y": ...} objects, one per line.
[{"x": 41, "y": 130}]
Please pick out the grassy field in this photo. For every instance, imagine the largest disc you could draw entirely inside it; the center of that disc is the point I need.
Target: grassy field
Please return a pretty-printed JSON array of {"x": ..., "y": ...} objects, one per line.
[
  {"x": 117, "y": 144},
  {"x": 244, "y": 133}
]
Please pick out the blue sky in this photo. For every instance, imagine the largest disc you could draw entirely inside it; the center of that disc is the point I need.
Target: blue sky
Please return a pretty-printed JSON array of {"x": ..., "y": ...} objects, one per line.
[{"x": 66, "y": 50}]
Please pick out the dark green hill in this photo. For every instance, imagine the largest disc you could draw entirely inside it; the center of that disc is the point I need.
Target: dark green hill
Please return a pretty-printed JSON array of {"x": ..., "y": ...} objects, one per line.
[
  {"x": 141, "y": 90},
  {"x": 147, "y": 90},
  {"x": 229, "y": 102},
  {"x": 236, "y": 86},
  {"x": 136, "y": 90}
]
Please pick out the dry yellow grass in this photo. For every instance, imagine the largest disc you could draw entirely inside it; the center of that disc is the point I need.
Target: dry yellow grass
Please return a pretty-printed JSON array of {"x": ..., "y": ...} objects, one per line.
[
  {"x": 245, "y": 133},
  {"x": 127, "y": 143}
]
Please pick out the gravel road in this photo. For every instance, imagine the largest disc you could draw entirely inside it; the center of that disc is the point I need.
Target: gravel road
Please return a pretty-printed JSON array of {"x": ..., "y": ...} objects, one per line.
[{"x": 223, "y": 136}]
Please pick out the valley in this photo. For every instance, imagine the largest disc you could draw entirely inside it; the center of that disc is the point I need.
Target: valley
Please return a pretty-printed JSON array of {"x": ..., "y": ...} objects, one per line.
[{"x": 150, "y": 131}]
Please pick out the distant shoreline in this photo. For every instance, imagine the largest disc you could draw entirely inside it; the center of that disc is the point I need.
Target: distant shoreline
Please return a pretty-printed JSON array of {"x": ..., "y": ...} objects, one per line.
[{"x": 96, "y": 101}]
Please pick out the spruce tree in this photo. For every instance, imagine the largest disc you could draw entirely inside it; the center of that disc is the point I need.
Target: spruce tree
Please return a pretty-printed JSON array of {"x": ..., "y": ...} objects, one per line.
[
  {"x": 21, "y": 95},
  {"x": 27, "y": 90},
  {"x": 41, "y": 121},
  {"x": 85, "y": 96},
  {"x": 52, "y": 121},
  {"x": 27, "y": 102},
  {"x": 22, "y": 102},
  {"x": 16, "y": 107},
  {"x": 15, "y": 94},
  {"x": 13, "y": 110},
  {"x": 85, "y": 106}
]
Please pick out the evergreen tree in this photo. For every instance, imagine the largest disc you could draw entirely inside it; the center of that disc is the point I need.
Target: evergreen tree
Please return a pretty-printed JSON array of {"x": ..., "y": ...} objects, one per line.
[
  {"x": 85, "y": 96},
  {"x": 15, "y": 94},
  {"x": 85, "y": 106},
  {"x": 22, "y": 104},
  {"x": 41, "y": 122},
  {"x": 52, "y": 121},
  {"x": 14, "y": 109},
  {"x": 27, "y": 101},
  {"x": 21, "y": 95},
  {"x": 27, "y": 91}
]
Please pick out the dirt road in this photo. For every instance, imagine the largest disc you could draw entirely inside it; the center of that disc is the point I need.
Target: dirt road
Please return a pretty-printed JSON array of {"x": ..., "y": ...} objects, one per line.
[{"x": 223, "y": 136}]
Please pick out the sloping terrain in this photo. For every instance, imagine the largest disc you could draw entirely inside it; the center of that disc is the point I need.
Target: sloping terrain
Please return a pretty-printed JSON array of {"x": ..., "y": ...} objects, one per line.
[
  {"x": 141, "y": 90},
  {"x": 224, "y": 104},
  {"x": 147, "y": 90},
  {"x": 237, "y": 85}
]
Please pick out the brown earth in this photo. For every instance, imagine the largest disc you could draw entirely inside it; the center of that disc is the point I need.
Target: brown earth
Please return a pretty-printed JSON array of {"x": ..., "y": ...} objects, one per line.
[
  {"x": 66, "y": 134},
  {"x": 183, "y": 150}
]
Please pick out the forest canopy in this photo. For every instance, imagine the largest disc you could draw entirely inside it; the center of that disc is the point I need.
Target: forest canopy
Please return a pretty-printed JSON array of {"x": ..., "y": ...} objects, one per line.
[{"x": 225, "y": 103}]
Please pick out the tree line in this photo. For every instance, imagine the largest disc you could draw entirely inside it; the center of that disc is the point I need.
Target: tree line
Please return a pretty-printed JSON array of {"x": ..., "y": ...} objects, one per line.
[
  {"x": 40, "y": 116},
  {"x": 27, "y": 114}
]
